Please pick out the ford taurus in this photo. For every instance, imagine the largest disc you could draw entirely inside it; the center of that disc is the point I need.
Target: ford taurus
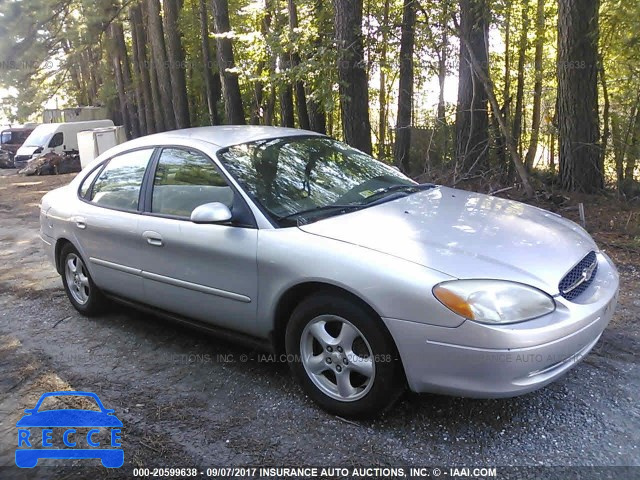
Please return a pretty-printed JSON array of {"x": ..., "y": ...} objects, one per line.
[{"x": 366, "y": 280}]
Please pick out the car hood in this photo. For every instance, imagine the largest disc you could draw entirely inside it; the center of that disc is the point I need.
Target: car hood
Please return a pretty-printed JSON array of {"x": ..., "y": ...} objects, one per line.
[
  {"x": 24, "y": 150},
  {"x": 69, "y": 418},
  {"x": 466, "y": 235}
]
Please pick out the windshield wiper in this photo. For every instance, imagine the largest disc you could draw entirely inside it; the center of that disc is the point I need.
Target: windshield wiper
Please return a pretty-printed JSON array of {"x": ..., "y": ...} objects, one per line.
[
  {"x": 350, "y": 207},
  {"x": 399, "y": 188},
  {"x": 326, "y": 208}
]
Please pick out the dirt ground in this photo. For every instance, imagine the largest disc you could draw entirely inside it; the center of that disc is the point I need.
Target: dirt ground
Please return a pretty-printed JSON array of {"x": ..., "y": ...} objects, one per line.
[{"x": 187, "y": 400}]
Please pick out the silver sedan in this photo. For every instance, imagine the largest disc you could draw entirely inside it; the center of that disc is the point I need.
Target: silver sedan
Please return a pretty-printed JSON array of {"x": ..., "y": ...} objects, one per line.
[{"x": 363, "y": 280}]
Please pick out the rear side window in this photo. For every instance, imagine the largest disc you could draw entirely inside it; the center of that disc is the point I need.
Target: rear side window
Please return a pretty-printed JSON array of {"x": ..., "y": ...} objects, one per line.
[
  {"x": 185, "y": 180},
  {"x": 118, "y": 185}
]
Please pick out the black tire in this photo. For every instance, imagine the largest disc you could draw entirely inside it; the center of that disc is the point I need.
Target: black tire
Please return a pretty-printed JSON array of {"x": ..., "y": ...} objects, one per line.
[
  {"x": 373, "y": 394},
  {"x": 95, "y": 301}
]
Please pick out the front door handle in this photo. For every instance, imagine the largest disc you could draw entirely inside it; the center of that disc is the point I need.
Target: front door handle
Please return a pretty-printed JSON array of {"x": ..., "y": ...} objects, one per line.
[{"x": 153, "y": 238}]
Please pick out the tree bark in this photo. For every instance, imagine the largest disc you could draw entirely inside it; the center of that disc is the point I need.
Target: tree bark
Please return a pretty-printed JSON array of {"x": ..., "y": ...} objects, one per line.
[
  {"x": 606, "y": 112},
  {"x": 353, "y": 88},
  {"x": 472, "y": 119},
  {"x": 122, "y": 97},
  {"x": 382, "y": 90},
  {"x": 287, "y": 115},
  {"x": 405, "y": 95},
  {"x": 317, "y": 116},
  {"x": 522, "y": 55},
  {"x": 506, "y": 94},
  {"x": 139, "y": 58},
  {"x": 258, "y": 112},
  {"x": 159, "y": 54},
  {"x": 175, "y": 55},
  {"x": 485, "y": 79},
  {"x": 633, "y": 152},
  {"x": 580, "y": 168},
  {"x": 212, "y": 90},
  {"x": 442, "y": 71},
  {"x": 158, "y": 115},
  {"x": 234, "y": 111},
  {"x": 154, "y": 105},
  {"x": 300, "y": 93},
  {"x": 123, "y": 80},
  {"x": 537, "y": 88}
]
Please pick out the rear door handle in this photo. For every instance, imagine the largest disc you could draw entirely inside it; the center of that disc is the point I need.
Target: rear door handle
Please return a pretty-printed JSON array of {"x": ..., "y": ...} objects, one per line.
[
  {"x": 153, "y": 238},
  {"x": 80, "y": 223}
]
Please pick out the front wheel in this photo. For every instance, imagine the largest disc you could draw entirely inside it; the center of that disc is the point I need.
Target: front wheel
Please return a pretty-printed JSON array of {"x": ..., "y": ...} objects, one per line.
[
  {"x": 343, "y": 356},
  {"x": 85, "y": 297}
]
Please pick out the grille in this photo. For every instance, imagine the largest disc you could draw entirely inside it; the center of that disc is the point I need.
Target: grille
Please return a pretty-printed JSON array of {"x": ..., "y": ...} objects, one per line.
[
  {"x": 21, "y": 160},
  {"x": 579, "y": 277}
]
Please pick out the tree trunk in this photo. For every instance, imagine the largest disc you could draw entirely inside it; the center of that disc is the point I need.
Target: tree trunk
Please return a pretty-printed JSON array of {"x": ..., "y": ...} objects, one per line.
[
  {"x": 258, "y": 112},
  {"x": 537, "y": 88},
  {"x": 485, "y": 79},
  {"x": 233, "y": 108},
  {"x": 382, "y": 91},
  {"x": 580, "y": 168},
  {"x": 123, "y": 80},
  {"x": 506, "y": 94},
  {"x": 301, "y": 96},
  {"x": 211, "y": 91},
  {"x": 443, "y": 52},
  {"x": 287, "y": 115},
  {"x": 137, "y": 77},
  {"x": 159, "y": 54},
  {"x": 317, "y": 117},
  {"x": 522, "y": 55},
  {"x": 620, "y": 141},
  {"x": 633, "y": 152},
  {"x": 405, "y": 85},
  {"x": 141, "y": 65},
  {"x": 122, "y": 97},
  {"x": 618, "y": 154},
  {"x": 158, "y": 115},
  {"x": 285, "y": 90},
  {"x": 606, "y": 112},
  {"x": 442, "y": 70},
  {"x": 472, "y": 119},
  {"x": 175, "y": 55},
  {"x": 353, "y": 88}
]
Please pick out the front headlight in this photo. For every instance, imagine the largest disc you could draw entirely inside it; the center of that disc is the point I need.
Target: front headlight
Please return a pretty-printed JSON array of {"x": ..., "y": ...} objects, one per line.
[{"x": 493, "y": 301}]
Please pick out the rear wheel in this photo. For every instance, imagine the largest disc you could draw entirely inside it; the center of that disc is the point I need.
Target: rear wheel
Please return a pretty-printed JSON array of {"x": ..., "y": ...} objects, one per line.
[
  {"x": 343, "y": 356},
  {"x": 82, "y": 292}
]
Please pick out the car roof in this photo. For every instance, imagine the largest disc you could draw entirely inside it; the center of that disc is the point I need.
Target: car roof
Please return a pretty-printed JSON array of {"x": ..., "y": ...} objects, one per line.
[
  {"x": 221, "y": 136},
  {"x": 18, "y": 129}
]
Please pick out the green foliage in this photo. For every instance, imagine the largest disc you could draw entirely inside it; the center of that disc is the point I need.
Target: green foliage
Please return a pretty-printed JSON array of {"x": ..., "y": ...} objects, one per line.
[{"x": 56, "y": 51}]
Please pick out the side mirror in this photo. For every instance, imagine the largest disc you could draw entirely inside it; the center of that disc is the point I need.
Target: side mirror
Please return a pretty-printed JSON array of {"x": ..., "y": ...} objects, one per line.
[{"x": 214, "y": 212}]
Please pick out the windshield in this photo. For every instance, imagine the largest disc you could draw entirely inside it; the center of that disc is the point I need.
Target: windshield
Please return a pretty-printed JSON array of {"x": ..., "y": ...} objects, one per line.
[
  {"x": 303, "y": 175},
  {"x": 40, "y": 136},
  {"x": 78, "y": 402}
]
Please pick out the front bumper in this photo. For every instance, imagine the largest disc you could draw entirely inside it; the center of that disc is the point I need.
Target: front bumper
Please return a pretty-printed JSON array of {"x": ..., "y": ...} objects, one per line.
[
  {"x": 21, "y": 161},
  {"x": 485, "y": 361}
]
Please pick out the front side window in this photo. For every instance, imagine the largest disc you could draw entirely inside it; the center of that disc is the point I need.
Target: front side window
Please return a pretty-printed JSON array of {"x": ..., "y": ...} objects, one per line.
[
  {"x": 118, "y": 185},
  {"x": 298, "y": 176},
  {"x": 56, "y": 140},
  {"x": 185, "y": 180}
]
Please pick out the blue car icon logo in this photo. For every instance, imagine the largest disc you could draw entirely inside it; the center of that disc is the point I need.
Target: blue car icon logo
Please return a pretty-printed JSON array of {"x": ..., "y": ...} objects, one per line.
[{"x": 66, "y": 422}]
